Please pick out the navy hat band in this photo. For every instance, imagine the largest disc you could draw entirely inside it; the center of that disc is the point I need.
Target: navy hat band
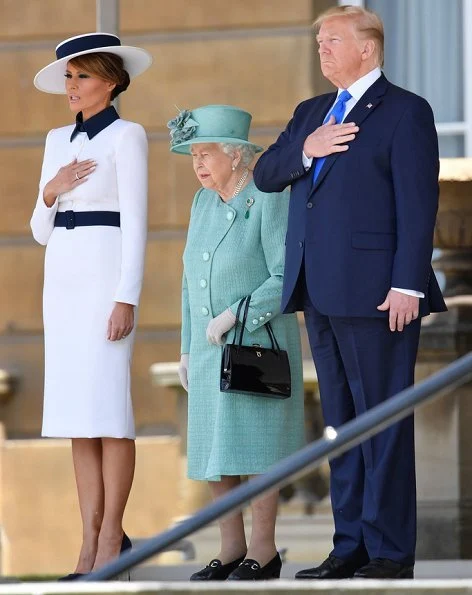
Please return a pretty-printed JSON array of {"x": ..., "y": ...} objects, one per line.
[{"x": 86, "y": 43}]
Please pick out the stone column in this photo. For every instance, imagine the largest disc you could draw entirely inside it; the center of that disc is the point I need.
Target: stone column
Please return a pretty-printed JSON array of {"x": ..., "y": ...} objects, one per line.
[{"x": 444, "y": 427}]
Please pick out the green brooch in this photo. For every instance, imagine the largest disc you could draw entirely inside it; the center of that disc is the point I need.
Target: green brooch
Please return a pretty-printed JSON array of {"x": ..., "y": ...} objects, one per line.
[{"x": 249, "y": 202}]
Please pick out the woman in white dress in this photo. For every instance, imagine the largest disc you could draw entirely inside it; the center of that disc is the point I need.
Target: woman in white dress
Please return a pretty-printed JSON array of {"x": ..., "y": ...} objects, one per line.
[{"x": 91, "y": 213}]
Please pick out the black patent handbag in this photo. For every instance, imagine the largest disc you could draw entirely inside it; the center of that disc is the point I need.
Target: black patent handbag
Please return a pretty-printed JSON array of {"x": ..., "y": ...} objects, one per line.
[{"x": 253, "y": 369}]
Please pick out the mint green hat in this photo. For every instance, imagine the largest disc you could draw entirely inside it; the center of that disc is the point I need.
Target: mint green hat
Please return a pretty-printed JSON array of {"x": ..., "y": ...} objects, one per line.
[{"x": 210, "y": 124}]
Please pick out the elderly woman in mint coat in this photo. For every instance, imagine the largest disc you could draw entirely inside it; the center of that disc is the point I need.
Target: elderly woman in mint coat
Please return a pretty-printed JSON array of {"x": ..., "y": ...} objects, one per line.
[{"x": 235, "y": 247}]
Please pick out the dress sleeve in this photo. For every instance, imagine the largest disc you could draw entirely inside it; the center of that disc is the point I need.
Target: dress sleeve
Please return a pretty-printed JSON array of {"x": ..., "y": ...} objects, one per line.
[
  {"x": 42, "y": 221},
  {"x": 186, "y": 317},
  {"x": 132, "y": 183},
  {"x": 266, "y": 299},
  {"x": 185, "y": 328}
]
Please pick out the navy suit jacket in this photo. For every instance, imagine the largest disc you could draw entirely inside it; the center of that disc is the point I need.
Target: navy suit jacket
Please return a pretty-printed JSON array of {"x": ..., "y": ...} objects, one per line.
[{"x": 367, "y": 223}]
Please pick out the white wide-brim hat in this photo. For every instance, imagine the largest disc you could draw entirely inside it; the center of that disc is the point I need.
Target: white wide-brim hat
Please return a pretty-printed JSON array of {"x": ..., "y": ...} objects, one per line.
[{"x": 50, "y": 79}]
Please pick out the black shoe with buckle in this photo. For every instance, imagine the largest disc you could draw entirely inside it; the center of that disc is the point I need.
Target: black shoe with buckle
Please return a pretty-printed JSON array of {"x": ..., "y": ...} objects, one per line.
[
  {"x": 216, "y": 570},
  {"x": 379, "y": 568},
  {"x": 250, "y": 570},
  {"x": 331, "y": 568}
]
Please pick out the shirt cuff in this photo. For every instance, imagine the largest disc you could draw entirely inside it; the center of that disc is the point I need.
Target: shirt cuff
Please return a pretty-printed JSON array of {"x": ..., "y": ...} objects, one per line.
[
  {"x": 307, "y": 161},
  {"x": 411, "y": 292}
]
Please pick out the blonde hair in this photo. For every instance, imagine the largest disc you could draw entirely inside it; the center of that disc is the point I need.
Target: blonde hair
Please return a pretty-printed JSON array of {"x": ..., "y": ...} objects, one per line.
[{"x": 366, "y": 22}]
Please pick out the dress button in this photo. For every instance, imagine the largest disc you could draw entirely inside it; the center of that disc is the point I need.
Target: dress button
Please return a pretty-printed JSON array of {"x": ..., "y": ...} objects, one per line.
[
  {"x": 229, "y": 215},
  {"x": 269, "y": 314},
  {"x": 206, "y": 256},
  {"x": 300, "y": 244},
  {"x": 262, "y": 318},
  {"x": 203, "y": 283},
  {"x": 309, "y": 205},
  {"x": 205, "y": 311},
  {"x": 255, "y": 321}
]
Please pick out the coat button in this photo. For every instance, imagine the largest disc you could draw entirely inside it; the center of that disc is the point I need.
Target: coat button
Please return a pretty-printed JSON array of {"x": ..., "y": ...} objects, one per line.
[
  {"x": 206, "y": 256},
  {"x": 229, "y": 215},
  {"x": 255, "y": 321},
  {"x": 300, "y": 244},
  {"x": 269, "y": 314},
  {"x": 309, "y": 205},
  {"x": 203, "y": 283},
  {"x": 205, "y": 311},
  {"x": 262, "y": 318}
]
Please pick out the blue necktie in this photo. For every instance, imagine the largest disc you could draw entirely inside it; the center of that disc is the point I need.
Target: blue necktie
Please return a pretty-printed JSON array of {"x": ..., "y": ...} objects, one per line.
[{"x": 338, "y": 112}]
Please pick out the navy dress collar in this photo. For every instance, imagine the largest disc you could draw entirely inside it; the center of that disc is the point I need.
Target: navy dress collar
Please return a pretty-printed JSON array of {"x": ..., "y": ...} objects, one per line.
[{"x": 96, "y": 123}]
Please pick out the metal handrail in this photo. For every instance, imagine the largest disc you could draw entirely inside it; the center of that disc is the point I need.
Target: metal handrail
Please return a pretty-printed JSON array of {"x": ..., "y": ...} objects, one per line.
[{"x": 334, "y": 443}]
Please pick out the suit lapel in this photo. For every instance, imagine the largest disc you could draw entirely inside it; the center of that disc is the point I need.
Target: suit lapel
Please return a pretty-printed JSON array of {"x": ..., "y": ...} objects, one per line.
[
  {"x": 362, "y": 110},
  {"x": 315, "y": 120},
  {"x": 321, "y": 111}
]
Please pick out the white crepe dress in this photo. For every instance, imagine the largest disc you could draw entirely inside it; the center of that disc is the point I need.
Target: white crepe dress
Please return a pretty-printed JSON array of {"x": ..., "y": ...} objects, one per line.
[{"x": 88, "y": 269}]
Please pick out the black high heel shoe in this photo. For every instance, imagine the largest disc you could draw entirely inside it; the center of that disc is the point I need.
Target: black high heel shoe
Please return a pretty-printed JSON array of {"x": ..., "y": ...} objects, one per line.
[
  {"x": 125, "y": 543},
  {"x": 216, "y": 571},
  {"x": 250, "y": 570},
  {"x": 71, "y": 577}
]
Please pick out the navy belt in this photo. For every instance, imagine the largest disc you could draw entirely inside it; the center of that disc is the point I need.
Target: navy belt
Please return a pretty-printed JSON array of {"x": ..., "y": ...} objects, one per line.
[{"x": 71, "y": 219}]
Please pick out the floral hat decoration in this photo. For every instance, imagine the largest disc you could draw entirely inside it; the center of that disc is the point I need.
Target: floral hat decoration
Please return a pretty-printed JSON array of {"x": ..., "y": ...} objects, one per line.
[
  {"x": 210, "y": 124},
  {"x": 182, "y": 127}
]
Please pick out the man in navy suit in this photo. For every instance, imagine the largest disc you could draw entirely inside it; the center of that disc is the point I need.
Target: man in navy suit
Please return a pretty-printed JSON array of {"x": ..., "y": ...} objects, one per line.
[{"x": 363, "y": 168}]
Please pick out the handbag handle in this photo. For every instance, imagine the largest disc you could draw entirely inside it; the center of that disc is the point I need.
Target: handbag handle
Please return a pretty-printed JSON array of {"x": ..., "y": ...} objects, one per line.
[{"x": 270, "y": 331}]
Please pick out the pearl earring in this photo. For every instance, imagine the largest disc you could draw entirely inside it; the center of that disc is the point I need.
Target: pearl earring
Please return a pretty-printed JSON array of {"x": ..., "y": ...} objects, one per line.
[{"x": 233, "y": 168}]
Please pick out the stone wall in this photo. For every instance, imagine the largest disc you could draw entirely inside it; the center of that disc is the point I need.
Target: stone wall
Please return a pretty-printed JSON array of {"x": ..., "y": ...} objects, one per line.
[
  {"x": 259, "y": 55},
  {"x": 41, "y": 528}
]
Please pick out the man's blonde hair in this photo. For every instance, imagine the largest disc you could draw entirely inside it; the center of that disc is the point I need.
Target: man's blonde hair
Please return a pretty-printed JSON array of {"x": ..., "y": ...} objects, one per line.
[{"x": 366, "y": 22}]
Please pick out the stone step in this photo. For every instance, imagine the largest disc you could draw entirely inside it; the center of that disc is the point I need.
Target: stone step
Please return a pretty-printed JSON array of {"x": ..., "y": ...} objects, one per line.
[{"x": 286, "y": 587}]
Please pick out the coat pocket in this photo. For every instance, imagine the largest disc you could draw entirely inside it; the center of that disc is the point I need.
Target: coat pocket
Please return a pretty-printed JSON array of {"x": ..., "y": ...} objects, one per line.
[{"x": 366, "y": 240}]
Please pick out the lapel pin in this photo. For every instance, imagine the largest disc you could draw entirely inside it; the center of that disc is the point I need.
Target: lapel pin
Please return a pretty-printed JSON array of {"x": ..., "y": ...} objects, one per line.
[{"x": 369, "y": 105}]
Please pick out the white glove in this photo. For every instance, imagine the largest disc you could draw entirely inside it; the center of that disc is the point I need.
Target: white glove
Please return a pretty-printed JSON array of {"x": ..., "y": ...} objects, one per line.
[
  {"x": 183, "y": 370},
  {"x": 219, "y": 326}
]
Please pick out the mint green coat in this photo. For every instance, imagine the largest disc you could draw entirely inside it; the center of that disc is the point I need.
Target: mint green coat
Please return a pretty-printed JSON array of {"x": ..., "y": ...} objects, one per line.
[{"x": 228, "y": 256}]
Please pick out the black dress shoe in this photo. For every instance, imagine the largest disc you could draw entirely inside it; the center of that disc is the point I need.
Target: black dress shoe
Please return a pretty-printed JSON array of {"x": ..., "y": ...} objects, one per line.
[
  {"x": 71, "y": 577},
  {"x": 384, "y": 568},
  {"x": 216, "y": 570},
  {"x": 250, "y": 570},
  {"x": 331, "y": 568}
]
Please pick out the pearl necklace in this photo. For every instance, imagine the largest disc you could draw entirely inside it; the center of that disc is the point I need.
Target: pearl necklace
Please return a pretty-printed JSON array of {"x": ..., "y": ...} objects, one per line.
[{"x": 239, "y": 185}]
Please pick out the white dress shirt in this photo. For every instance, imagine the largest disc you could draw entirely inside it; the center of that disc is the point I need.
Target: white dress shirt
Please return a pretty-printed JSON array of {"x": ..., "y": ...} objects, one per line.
[{"x": 357, "y": 90}]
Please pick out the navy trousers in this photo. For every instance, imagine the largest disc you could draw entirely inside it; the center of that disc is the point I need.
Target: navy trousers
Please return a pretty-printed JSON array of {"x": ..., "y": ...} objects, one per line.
[{"x": 360, "y": 363}]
